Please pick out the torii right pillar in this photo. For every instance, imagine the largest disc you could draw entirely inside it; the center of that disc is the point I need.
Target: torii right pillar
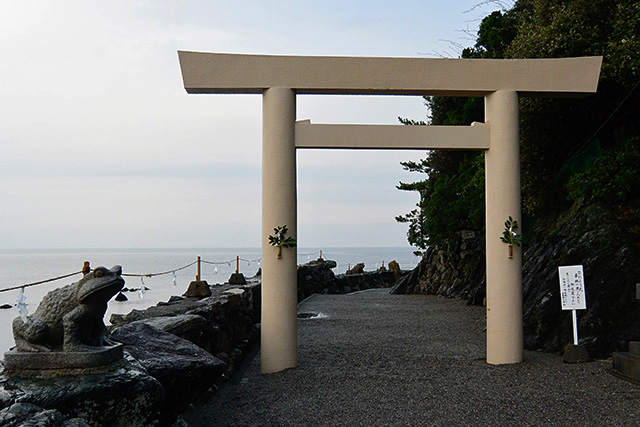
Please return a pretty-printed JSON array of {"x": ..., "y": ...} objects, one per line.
[{"x": 504, "y": 274}]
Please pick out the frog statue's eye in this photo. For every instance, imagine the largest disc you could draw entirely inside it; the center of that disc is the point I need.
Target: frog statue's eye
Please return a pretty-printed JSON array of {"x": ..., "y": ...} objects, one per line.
[{"x": 99, "y": 272}]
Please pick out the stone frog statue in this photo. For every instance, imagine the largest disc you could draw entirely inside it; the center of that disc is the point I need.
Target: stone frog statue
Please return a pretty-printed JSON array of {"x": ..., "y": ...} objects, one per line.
[{"x": 71, "y": 318}]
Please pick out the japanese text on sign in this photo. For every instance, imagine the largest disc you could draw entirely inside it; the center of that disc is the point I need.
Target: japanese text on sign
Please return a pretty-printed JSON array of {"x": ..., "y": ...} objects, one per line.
[{"x": 572, "y": 292}]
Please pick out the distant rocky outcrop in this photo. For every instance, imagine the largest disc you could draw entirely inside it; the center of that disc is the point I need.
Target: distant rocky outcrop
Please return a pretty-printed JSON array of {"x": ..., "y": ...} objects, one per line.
[
  {"x": 317, "y": 277},
  {"x": 587, "y": 235}
]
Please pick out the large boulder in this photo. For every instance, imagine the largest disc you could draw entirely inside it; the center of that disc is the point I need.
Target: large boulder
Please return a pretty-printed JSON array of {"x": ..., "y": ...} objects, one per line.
[
  {"x": 185, "y": 370},
  {"x": 395, "y": 267}
]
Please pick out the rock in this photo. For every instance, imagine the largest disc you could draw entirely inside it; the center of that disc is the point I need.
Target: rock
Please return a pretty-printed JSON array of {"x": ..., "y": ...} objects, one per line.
[
  {"x": 357, "y": 269},
  {"x": 4, "y": 306},
  {"x": 237, "y": 279},
  {"x": 186, "y": 326},
  {"x": 125, "y": 395},
  {"x": 575, "y": 354},
  {"x": 198, "y": 289},
  {"x": 395, "y": 267},
  {"x": 121, "y": 297},
  {"x": 185, "y": 370},
  {"x": 317, "y": 277},
  {"x": 28, "y": 414}
]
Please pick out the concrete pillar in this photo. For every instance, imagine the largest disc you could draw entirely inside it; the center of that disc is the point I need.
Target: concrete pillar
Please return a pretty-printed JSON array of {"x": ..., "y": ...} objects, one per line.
[
  {"x": 279, "y": 335},
  {"x": 504, "y": 274}
]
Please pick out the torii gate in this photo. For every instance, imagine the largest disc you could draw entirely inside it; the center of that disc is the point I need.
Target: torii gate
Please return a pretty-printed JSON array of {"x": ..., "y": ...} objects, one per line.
[{"x": 280, "y": 78}]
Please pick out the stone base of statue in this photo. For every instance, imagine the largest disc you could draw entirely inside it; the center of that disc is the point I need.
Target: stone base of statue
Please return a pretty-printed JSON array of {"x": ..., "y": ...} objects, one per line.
[{"x": 61, "y": 362}]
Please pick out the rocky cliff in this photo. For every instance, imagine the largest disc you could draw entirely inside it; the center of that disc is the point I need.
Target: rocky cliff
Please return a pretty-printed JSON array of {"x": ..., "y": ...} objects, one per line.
[{"x": 584, "y": 234}]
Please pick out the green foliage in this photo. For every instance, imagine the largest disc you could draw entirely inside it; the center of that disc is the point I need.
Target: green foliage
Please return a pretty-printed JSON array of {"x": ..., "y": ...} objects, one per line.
[
  {"x": 280, "y": 239},
  {"x": 509, "y": 235},
  {"x": 552, "y": 131},
  {"x": 449, "y": 202},
  {"x": 614, "y": 181}
]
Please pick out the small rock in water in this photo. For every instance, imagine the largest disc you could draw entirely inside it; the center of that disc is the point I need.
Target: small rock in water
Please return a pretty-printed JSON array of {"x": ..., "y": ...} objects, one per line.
[
  {"x": 6, "y": 306},
  {"x": 121, "y": 297}
]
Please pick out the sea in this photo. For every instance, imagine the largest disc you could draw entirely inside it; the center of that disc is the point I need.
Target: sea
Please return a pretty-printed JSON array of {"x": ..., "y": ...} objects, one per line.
[{"x": 25, "y": 266}]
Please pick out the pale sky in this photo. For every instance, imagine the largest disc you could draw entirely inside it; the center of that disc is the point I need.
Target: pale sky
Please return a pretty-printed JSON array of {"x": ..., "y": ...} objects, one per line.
[{"x": 100, "y": 146}]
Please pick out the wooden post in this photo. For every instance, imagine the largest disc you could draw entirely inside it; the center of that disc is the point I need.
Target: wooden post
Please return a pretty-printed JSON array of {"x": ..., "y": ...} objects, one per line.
[
  {"x": 237, "y": 264},
  {"x": 320, "y": 253},
  {"x": 86, "y": 268},
  {"x": 198, "y": 274}
]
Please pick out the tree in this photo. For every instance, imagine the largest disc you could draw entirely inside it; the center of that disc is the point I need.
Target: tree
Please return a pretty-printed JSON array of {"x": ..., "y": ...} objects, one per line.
[{"x": 552, "y": 131}]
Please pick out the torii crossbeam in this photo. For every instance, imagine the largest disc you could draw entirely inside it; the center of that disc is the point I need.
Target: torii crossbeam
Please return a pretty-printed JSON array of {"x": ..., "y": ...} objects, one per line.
[{"x": 280, "y": 78}]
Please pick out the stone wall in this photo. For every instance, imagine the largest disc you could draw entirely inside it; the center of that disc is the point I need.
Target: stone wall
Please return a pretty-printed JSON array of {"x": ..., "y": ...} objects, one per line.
[{"x": 317, "y": 277}]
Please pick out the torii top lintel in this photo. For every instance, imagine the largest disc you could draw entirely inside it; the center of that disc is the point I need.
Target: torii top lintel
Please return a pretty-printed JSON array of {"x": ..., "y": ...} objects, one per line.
[{"x": 236, "y": 73}]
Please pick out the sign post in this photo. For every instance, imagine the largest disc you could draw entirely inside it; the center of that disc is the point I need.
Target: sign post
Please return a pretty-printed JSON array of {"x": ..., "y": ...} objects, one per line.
[{"x": 572, "y": 296}]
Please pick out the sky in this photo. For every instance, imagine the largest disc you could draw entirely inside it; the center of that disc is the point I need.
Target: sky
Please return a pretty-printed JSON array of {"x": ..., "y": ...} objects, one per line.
[{"x": 101, "y": 147}]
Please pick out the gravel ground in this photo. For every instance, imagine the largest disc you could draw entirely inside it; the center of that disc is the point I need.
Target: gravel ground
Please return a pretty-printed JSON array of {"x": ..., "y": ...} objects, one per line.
[{"x": 414, "y": 360}]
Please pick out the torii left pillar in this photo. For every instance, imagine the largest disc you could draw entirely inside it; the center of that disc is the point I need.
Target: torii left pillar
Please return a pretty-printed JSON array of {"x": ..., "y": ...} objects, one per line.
[{"x": 279, "y": 335}]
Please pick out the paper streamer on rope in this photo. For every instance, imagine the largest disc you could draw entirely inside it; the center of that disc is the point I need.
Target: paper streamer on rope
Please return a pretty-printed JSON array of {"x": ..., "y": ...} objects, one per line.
[
  {"x": 141, "y": 291},
  {"x": 175, "y": 280},
  {"x": 215, "y": 270},
  {"x": 22, "y": 305}
]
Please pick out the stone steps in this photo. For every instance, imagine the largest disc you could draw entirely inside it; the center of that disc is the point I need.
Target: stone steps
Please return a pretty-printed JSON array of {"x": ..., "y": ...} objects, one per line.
[{"x": 627, "y": 364}]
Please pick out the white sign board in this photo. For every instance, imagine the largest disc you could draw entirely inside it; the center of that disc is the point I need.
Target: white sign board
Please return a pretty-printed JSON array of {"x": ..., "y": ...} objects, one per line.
[{"x": 572, "y": 288}]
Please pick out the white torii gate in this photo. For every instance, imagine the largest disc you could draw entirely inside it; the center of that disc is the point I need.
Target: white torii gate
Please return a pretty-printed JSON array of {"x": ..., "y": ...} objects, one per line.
[{"x": 280, "y": 78}]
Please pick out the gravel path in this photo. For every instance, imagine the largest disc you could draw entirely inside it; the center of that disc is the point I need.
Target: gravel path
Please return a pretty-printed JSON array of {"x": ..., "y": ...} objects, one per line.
[{"x": 414, "y": 360}]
